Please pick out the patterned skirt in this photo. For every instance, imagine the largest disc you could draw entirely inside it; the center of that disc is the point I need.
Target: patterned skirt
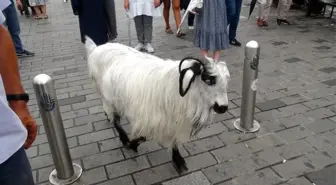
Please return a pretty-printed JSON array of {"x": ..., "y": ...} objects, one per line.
[
  {"x": 210, "y": 31},
  {"x": 38, "y": 2}
]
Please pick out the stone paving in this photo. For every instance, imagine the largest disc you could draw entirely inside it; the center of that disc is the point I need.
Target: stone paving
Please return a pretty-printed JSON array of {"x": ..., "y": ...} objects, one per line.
[{"x": 296, "y": 108}]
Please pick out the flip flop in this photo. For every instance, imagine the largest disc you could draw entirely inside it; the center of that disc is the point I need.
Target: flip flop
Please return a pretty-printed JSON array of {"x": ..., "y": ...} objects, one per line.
[
  {"x": 169, "y": 31},
  {"x": 46, "y": 17},
  {"x": 180, "y": 34},
  {"x": 37, "y": 17}
]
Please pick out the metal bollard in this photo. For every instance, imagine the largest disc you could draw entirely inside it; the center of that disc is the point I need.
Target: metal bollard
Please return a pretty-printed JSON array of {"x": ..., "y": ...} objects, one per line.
[
  {"x": 246, "y": 123},
  {"x": 65, "y": 171}
]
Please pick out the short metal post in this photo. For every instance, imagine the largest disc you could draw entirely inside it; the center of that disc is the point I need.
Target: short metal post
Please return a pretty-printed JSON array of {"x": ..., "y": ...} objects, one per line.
[
  {"x": 66, "y": 172},
  {"x": 246, "y": 123}
]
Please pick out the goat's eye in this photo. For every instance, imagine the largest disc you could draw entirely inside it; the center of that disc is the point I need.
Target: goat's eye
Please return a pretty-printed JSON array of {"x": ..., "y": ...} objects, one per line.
[{"x": 210, "y": 80}]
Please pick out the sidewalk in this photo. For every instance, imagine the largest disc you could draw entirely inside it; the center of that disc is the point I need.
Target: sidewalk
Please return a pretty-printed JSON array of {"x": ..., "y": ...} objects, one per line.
[{"x": 296, "y": 107}]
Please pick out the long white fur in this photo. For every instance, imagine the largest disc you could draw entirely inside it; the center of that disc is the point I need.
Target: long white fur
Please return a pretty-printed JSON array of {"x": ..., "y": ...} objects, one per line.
[{"x": 145, "y": 90}]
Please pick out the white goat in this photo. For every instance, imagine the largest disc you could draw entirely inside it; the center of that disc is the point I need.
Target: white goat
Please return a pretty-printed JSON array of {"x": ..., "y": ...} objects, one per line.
[{"x": 164, "y": 100}]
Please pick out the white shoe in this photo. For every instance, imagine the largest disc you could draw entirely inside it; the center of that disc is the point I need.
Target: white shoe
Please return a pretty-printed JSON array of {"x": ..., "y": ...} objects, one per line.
[
  {"x": 191, "y": 27},
  {"x": 65, "y": 1},
  {"x": 149, "y": 48},
  {"x": 139, "y": 46}
]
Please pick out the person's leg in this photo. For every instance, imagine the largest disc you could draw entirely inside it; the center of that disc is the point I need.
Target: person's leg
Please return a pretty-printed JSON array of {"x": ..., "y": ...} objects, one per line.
[
  {"x": 25, "y": 7},
  {"x": 205, "y": 53},
  {"x": 166, "y": 9},
  {"x": 177, "y": 15},
  {"x": 139, "y": 27},
  {"x": 191, "y": 18},
  {"x": 230, "y": 10},
  {"x": 283, "y": 8},
  {"x": 234, "y": 23},
  {"x": 13, "y": 26},
  {"x": 216, "y": 55},
  {"x": 148, "y": 33},
  {"x": 266, "y": 7},
  {"x": 44, "y": 11},
  {"x": 38, "y": 12},
  {"x": 16, "y": 170}
]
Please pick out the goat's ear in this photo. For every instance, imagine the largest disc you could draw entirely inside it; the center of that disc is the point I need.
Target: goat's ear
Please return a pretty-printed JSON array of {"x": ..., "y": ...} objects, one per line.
[{"x": 187, "y": 76}]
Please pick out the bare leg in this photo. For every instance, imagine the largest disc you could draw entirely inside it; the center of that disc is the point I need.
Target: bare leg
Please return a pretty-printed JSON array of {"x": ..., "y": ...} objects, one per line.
[
  {"x": 38, "y": 12},
  {"x": 44, "y": 11},
  {"x": 178, "y": 161},
  {"x": 216, "y": 55},
  {"x": 205, "y": 53},
  {"x": 166, "y": 8},
  {"x": 177, "y": 15}
]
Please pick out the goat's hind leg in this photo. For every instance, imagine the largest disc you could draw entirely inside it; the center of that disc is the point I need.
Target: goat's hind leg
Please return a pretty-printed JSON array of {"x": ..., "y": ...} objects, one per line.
[
  {"x": 122, "y": 134},
  {"x": 178, "y": 161}
]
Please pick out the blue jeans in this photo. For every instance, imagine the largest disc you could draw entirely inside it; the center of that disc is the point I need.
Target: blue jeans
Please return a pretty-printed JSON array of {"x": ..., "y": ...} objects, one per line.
[
  {"x": 12, "y": 22},
  {"x": 233, "y": 8},
  {"x": 16, "y": 170}
]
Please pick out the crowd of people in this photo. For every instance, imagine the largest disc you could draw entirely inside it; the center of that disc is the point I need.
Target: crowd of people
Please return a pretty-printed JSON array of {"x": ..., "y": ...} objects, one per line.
[
  {"x": 38, "y": 8},
  {"x": 214, "y": 27}
]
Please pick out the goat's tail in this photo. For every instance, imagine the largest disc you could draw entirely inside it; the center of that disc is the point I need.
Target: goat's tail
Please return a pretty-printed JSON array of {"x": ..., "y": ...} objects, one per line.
[{"x": 89, "y": 45}]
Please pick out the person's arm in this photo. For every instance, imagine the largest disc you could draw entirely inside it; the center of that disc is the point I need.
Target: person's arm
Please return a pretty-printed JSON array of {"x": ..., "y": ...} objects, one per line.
[{"x": 9, "y": 71}]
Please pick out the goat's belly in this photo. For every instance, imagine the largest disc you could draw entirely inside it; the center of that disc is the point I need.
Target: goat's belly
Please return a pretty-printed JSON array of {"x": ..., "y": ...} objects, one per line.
[{"x": 165, "y": 133}]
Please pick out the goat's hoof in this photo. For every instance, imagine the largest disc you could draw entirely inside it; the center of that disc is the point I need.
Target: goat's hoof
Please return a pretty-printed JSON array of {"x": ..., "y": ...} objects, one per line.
[{"x": 180, "y": 168}]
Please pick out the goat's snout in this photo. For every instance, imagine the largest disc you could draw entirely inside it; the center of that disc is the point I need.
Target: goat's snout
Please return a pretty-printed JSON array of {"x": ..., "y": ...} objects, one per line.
[{"x": 220, "y": 109}]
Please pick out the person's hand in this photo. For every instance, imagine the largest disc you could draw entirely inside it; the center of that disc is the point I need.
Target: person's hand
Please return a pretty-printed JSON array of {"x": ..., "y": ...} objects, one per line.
[
  {"x": 157, "y": 3},
  {"x": 19, "y": 4},
  {"x": 126, "y": 5},
  {"x": 21, "y": 110}
]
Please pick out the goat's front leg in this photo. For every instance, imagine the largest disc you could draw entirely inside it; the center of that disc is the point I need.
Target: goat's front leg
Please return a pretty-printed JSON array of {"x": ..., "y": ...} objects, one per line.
[
  {"x": 122, "y": 133},
  {"x": 107, "y": 111},
  {"x": 135, "y": 143},
  {"x": 178, "y": 161}
]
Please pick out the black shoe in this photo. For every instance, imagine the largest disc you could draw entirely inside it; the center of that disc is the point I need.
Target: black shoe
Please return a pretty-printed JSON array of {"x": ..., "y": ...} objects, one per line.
[
  {"x": 280, "y": 21},
  {"x": 25, "y": 53},
  {"x": 235, "y": 42}
]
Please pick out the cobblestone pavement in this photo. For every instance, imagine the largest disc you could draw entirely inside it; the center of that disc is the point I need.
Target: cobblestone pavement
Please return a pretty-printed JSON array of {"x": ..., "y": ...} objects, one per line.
[{"x": 296, "y": 108}]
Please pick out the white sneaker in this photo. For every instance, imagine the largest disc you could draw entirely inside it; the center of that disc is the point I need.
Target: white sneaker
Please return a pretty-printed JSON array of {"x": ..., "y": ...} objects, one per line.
[
  {"x": 191, "y": 27},
  {"x": 139, "y": 46},
  {"x": 149, "y": 48}
]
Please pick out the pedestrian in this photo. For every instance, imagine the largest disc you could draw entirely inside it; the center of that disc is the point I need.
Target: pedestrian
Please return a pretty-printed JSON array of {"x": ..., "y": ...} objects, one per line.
[
  {"x": 264, "y": 10},
  {"x": 177, "y": 15},
  {"x": 12, "y": 23},
  {"x": 18, "y": 129},
  {"x": 93, "y": 20},
  {"x": 40, "y": 7},
  {"x": 210, "y": 33},
  {"x": 143, "y": 11},
  {"x": 283, "y": 9},
  {"x": 233, "y": 15}
]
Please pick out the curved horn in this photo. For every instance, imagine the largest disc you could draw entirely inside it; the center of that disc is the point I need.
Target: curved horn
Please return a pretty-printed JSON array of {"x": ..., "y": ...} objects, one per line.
[{"x": 191, "y": 58}]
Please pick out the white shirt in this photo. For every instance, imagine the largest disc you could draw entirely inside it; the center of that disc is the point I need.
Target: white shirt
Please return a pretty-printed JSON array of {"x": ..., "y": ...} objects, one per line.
[
  {"x": 12, "y": 133},
  {"x": 3, "y": 4},
  {"x": 143, "y": 7}
]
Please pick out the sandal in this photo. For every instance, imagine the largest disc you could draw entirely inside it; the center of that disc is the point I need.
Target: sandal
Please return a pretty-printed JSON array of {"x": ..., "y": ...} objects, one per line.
[
  {"x": 37, "y": 17},
  {"x": 45, "y": 17},
  {"x": 180, "y": 34},
  {"x": 169, "y": 31}
]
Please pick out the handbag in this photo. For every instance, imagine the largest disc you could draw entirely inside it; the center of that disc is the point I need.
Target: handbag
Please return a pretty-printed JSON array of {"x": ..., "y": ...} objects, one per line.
[{"x": 195, "y": 6}]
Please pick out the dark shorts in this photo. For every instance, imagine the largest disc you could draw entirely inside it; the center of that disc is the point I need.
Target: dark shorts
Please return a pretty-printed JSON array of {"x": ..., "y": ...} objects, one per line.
[{"x": 16, "y": 170}]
